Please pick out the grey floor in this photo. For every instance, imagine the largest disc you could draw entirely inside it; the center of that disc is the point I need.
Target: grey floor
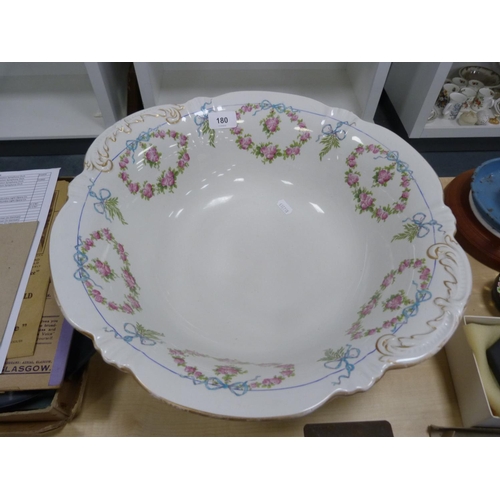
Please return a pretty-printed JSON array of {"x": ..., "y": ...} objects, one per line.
[{"x": 448, "y": 157}]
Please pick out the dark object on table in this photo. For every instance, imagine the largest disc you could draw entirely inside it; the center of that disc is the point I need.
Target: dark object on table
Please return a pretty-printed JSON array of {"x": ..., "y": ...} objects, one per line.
[
  {"x": 495, "y": 292},
  {"x": 80, "y": 352},
  {"x": 493, "y": 357},
  {"x": 375, "y": 428},
  {"x": 474, "y": 238},
  {"x": 25, "y": 400}
]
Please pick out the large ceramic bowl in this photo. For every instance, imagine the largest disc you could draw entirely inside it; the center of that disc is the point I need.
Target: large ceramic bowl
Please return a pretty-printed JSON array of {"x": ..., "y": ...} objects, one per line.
[{"x": 258, "y": 269}]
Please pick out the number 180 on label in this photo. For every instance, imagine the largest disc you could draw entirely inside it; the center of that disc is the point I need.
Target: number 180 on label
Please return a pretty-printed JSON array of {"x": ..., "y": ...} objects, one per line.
[{"x": 222, "y": 119}]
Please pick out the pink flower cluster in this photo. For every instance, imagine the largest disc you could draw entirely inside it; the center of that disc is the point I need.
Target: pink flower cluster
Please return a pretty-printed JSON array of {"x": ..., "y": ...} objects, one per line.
[
  {"x": 182, "y": 162},
  {"x": 293, "y": 151},
  {"x": 272, "y": 123},
  {"x": 123, "y": 163},
  {"x": 394, "y": 303},
  {"x": 192, "y": 370},
  {"x": 269, "y": 152},
  {"x": 365, "y": 201},
  {"x": 382, "y": 214},
  {"x": 152, "y": 155},
  {"x": 245, "y": 142},
  {"x": 168, "y": 179},
  {"x": 391, "y": 323},
  {"x": 271, "y": 381},
  {"x": 121, "y": 252},
  {"x": 129, "y": 279},
  {"x": 384, "y": 177},
  {"x": 147, "y": 191},
  {"x": 97, "y": 295},
  {"x": 369, "y": 307},
  {"x": 103, "y": 268},
  {"x": 389, "y": 279},
  {"x": 227, "y": 370},
  {"x": 425, "y": 274},
  {"x": 352, "y": 179},
  {"x": 87, "y": 244}
]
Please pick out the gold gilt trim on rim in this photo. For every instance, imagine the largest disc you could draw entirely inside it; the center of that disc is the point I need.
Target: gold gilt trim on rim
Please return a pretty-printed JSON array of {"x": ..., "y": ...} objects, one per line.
[
  {"x": 102, "y": 160},
  {"x": 447, "y": 255}
]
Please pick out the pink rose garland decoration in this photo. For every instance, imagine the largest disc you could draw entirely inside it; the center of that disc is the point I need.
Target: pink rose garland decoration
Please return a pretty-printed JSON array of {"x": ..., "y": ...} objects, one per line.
[
  {"x": 103, "y": 269},
  {"x": 271, "y": 124},
  {"x": 167, "y": 180},
  {"x": 397, "y": 303},
  {"x": 364, "y": 197},
  {"x": 225, "y": 374}
]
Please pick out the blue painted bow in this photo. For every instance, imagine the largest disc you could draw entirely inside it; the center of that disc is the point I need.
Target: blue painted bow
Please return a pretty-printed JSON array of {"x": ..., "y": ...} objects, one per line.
[
  {"x": 133, "y": 144},
  {"x": 100, "y": 205},
  {"x": 421, "y": 295},
  {"x": 351, "y": 353},
  {"x": 81, "y": 259},
  {"x": 215, "y": 383},
  {"x": 133, "y": 333},
  {"x": 337, "y": 131},
  {"x": 401, "y": 166},
  {"x": 199, "y": 120},
  {"x": 280, "y": 108},
  {"x": 424, "y": 227}
]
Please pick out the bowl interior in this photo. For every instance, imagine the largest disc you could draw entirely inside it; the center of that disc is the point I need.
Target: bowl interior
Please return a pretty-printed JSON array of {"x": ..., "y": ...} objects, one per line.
[{"x": 245, "y": 259}]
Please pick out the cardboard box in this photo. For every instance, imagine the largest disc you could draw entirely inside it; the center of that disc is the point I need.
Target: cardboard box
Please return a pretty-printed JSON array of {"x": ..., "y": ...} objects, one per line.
[
  {"x": 63, "y": 408},
  {"x": 471, "y": 396}
]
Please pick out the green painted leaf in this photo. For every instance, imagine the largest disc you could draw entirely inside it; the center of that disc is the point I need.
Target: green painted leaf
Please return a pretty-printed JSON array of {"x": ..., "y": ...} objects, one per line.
[
  {"x": 111, "y": 205},
  {"x": 331, "y": 355},
  {"x": 329, "y": 141},
  {"x": 149, "y": 334},
  {"x": 410, "y": 233}
]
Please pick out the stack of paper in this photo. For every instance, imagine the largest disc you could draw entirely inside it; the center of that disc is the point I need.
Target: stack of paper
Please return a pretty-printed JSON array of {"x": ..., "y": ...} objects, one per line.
[{"x": 29, "y": 318}]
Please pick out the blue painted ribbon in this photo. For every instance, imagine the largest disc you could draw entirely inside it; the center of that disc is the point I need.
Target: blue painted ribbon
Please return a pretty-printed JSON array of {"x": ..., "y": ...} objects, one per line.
[
  {"x": 329, "y": 130},
  {"x": 421, "y": 295},
  {"x": 199, "y": 120},
  {"x": 424, "y": 227},
  {"x": 133, "y": 333},
  {"x": 100, "y": 205},
  {"x": 401, "y": 166},
  {"x": 351, "y": 353},
  {"x": 81, "y": 259},
  {"x": 280, "y": 108},
  {"x": 215, "y": 383},
  {"x": 133, "y": 144}
]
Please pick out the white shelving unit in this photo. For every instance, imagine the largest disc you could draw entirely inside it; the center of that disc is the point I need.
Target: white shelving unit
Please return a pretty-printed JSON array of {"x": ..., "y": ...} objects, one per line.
[
  {"x": 60, "y": 100},
  {"x": 413, "y": 89},
  {"x": 353, "y": 86}
]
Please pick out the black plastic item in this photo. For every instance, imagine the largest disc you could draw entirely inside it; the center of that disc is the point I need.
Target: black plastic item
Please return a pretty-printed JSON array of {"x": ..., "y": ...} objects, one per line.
[
  {"x": 13, "y": 400},
  {"x": 374, "y": 428},
  {"x": 493, "y": 357}
]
